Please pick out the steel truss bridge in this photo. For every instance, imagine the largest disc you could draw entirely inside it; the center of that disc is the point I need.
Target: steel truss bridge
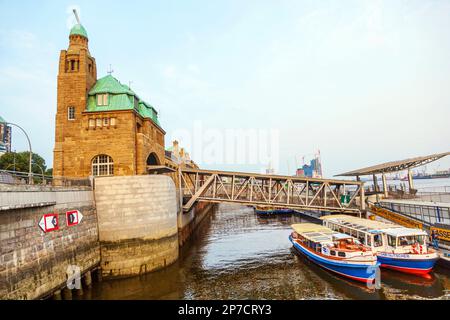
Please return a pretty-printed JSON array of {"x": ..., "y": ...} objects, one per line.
[{"x": 301, "y": 193}]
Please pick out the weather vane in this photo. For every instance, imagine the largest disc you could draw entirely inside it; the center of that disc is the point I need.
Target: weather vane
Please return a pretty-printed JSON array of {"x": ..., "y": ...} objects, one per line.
[{"x": 76, "y": 16}]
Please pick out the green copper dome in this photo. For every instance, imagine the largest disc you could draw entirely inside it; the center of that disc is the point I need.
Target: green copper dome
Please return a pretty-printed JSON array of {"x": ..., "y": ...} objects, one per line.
[{"x": 78, "y": 29}]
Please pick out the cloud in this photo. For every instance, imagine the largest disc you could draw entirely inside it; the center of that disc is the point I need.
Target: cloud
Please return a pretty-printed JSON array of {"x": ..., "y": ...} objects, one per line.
[{"x": 193, "y": 68}]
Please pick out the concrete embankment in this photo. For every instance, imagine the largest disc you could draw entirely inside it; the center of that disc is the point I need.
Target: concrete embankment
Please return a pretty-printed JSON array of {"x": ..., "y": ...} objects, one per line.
[
  {"x": 130, "y": 225},
  {"x": 35, "y": 263}
]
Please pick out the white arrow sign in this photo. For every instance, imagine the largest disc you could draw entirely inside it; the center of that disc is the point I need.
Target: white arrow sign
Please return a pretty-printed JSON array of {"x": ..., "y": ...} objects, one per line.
[
  {"x": 73, "y": 217},
  {"x": 49, "y": 222}
]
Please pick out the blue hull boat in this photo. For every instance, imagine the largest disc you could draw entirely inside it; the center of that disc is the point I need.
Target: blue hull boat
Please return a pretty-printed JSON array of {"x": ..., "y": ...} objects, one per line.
[{"x": 326, "y": 249}]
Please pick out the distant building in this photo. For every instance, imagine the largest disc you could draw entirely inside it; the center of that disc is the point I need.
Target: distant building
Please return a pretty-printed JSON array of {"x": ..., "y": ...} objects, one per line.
[
  {"x": 177, "y": 156},
  {"x": 270, "y": 170},
  {"x": 5, "y": 137},
  {"x": 313, "y": 170}
]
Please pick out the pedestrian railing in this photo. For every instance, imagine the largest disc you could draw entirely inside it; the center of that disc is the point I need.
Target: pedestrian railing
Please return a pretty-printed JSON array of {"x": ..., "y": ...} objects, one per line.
[{"x": 23, "y": 178}]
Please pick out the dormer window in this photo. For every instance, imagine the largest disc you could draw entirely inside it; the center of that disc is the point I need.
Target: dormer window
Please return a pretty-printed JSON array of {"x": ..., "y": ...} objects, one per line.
[{"x": 102, "y": 99}]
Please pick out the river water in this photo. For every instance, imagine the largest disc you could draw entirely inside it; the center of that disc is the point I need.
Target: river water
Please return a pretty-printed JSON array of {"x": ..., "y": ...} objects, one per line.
[{"x": 236, "y": 254}]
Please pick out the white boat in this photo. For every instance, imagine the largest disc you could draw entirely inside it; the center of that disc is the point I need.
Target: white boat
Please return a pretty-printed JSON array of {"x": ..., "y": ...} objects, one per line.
[
  {"x": 336, "y": 252},
  {"x": 398, "y": 248}
]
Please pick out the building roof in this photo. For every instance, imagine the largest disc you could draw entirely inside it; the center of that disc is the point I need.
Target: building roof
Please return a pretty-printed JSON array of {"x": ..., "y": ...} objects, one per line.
[
  {"x": 394, "y": 166},
  {"x": 78, "y": 29},
  {"x": 109, "y": 84},
  {"x": 120, "y": 97}
]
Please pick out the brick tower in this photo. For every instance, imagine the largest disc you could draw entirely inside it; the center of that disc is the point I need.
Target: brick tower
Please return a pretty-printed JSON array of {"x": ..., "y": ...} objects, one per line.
[
  {"x": 77, "y": 74},
  {"x": 102, "y": 126}
]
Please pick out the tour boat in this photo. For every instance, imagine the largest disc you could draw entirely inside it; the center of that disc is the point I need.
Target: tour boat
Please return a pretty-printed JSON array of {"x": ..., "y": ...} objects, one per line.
[
  {"x": 336, "y": 252},
  {"x": 398, "y": 248},
  {"x": 271, "y": 211},
  {"x": 444, "y": 260}
]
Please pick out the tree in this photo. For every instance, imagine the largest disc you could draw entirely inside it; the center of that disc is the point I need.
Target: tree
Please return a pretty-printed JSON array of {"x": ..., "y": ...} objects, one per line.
[{"x": 19, "y": 161}]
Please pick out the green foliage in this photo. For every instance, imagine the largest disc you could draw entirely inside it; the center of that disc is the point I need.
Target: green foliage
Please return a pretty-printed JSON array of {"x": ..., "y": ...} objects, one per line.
[
  {"x": 19, "y": 161},
  {"x": 49, "y": 172}
]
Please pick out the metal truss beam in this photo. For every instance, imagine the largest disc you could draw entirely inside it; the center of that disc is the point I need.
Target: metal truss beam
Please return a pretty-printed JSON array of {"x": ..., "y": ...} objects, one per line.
[{"x": 300, "y": 193}]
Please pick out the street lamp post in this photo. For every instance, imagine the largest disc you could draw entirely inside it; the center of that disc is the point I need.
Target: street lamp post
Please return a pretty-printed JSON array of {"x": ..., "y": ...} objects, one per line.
[{"x": 30, "y": 173}]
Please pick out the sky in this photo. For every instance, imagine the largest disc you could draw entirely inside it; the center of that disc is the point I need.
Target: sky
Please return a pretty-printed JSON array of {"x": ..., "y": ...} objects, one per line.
[{"x": 364, "y": 82}]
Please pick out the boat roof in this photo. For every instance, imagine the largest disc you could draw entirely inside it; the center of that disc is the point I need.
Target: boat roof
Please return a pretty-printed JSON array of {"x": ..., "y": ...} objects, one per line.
[
  {"x": 365, "y": 225},
  {"x": 340, "y": 236},
  {"x": 310, "y": 227},
  {"x": 402, "y": 232},
  {"x": 314, "y": 232}
]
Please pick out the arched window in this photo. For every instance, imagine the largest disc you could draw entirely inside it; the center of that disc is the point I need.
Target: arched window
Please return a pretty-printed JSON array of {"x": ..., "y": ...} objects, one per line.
[
  {"x": 102, "y": 165},
  {"x": 152, "y": 159}
]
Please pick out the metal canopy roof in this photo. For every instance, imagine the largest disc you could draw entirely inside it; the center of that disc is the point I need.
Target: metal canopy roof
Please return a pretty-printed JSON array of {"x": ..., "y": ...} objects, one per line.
[{"x": 394, "y": 166}]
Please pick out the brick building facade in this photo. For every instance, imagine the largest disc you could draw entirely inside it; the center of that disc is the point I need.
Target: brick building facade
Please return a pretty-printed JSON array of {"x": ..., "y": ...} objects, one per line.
[{"x": 102, "y": 126}]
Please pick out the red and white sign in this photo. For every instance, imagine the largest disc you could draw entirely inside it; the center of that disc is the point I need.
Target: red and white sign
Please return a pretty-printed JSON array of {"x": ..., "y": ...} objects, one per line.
[
  {"x": 73, "y": 217},
  {"x": 49, "y": 222}
]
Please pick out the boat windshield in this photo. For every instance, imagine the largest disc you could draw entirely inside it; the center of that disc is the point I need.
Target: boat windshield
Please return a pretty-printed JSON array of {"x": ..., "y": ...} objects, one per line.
[
  {"x": 411, "y": 240},
  {"x": 377, "y": 240}
]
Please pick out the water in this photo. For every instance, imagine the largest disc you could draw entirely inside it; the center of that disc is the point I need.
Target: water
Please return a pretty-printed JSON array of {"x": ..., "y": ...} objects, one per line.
[{"x": 238, "y": 255}]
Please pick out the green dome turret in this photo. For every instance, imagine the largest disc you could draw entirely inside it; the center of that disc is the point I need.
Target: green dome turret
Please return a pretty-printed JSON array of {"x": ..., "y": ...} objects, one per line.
[{"x": 79, "y": 30}]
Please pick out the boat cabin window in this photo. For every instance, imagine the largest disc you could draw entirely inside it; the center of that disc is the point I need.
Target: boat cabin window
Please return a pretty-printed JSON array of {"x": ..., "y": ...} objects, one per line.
[
  {"x": 392, "y": 241},
  {"x": 341, "y": 254},
  {"x": 333, "y": 253},
  {"x": 420, "y": 239},
  {"x": 368, "y": 240},
  {"x": 410, "y": 240},
  {"x": 377, "y": 240},
  {"x": 361, "y": 238},
  {"x": 318, "y": 248}
]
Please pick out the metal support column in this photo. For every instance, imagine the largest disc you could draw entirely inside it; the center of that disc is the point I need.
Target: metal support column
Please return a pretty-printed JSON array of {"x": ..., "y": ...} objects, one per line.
[
  {"x": 385, "y": 191},
  {"x": 410, "y": 180}
]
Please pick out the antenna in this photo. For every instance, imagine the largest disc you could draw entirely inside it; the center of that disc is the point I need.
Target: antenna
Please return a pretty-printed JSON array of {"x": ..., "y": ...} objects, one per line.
[
  {"x": 110, "y": 70},
  {"x": 76, "y": 16}
]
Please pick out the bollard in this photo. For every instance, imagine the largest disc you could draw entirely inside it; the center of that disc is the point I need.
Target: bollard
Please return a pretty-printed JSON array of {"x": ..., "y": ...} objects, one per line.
[
  {"x": 57, "y": 295},
  {"x": 99, "y": 275},
  {"x": 67, "y": 294}
]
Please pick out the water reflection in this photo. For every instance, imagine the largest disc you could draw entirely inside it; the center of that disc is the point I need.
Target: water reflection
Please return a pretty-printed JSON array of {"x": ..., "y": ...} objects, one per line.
[{"x": 237, "y": 255}]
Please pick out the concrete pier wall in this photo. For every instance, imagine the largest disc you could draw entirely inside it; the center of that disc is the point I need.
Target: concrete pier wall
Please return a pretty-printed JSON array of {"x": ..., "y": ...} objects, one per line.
[
  {"x": 131, "y": 225},
  {"x": 189, "y": 221},
  {"x": 137, "y": 221},
  {"x": 34, "y": 263}
]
